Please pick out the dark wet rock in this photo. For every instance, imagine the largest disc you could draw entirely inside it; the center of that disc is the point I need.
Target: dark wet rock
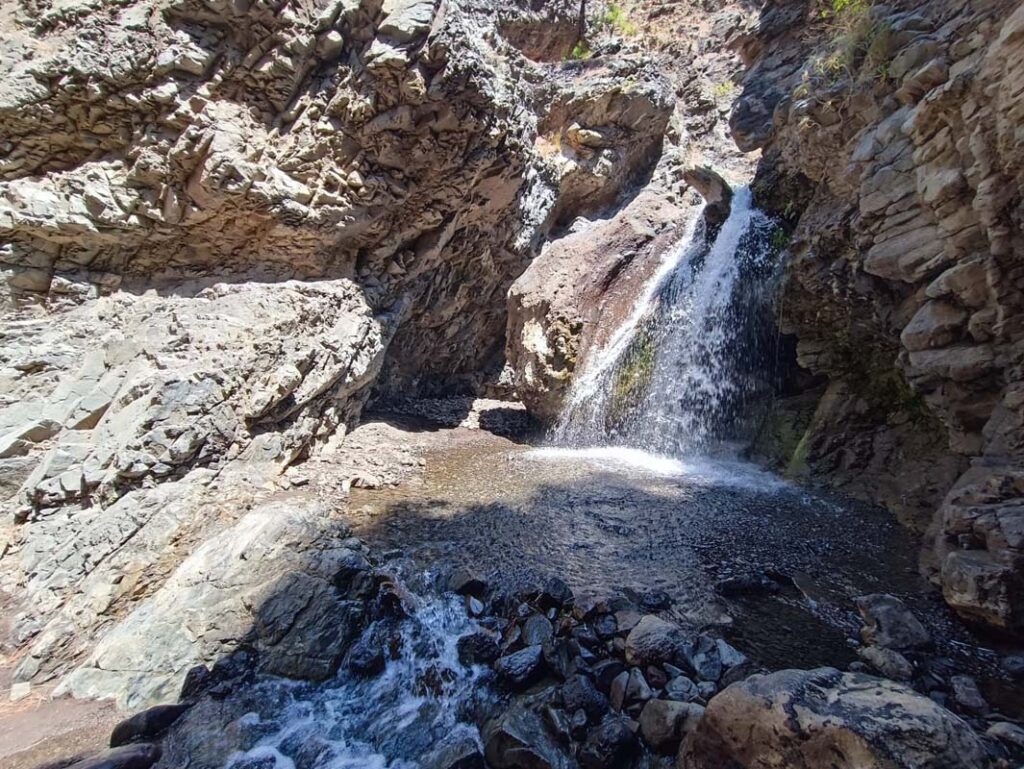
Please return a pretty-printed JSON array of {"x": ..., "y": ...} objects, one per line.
[
  {"x": 704, "y": 658},
  {"x": 480, "y": 648},
  {"x": 465, "y": 582},
  {"x": 664, "y": 723},
  {"x": 612, "y": 745},
  {"x": 390, "y": 603},
  {"x": 1013, "y": 664},
  {"x": 606, "y": 626},
  {"x": 312, "y": 647},
  {"x": 605, "y": 672},
  {"x": 585, "y": 636},
  {"x": 967, "y": 695},
  {"x": 653, "y": 601},
  {"x": 139, "y": 756},
  {"x": 351, "y": 566},
  {"x": 617, "y": 690},
  {"x": 655, "y": 676},
  {"x": 654, "y": 641},
  {"x": 747, "y": 585},
  {"x": 460, "y": 752},
  {"x": 147, "y": 724},
  {"x": 548, "y": 593},
  {"x": 226, "y": 675},
  {"x": 637, "y": 688},
  {"x": 517, "y": 739},
  {"x": 366, "y": 657},
  {"x": 714, "y": 189},
  {"x": 558, "y": 724},
  {"x": 578, "y": 724},
  {"x": 682, "y": 689},
  {"x": 888, "y": 662},
  {"x": 521, "y": 668},
  {"x": 579, "y": 693},
  {"x": 1007, "y": 734},
  {"x": 559, "y": 657},
  {"x": 537, "y": 629},
  {"x": 890, "y": 624},
  {"x": 857, "y": 722}
]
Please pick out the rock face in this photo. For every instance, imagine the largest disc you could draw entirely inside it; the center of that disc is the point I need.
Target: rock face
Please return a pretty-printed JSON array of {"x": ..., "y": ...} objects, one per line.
[
  {"x": 891, "y": 143},
  {"x": 581, "y": 288},
  {"x": 809, "y": 719},
  {"x": 223, "y": 227}
]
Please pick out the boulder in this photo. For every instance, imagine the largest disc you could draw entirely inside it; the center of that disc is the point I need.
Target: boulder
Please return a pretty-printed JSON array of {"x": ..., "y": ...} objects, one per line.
[
  {"x": 517, "y": 739},
  {"x": 480, "y": 648},
  {"x": 890, "y": 624},
  {"x": 808, "y": 719},
  {"x": 654, "y": 641},
  {"x": 144, "y": 726},
  {"x": 521, "y": 668},
  {"x": 579, "y": 693},
  {"x": 888, "y": 662},
  {"x": 537, "y": 630},
  {"x": 664, "y": 723},
  {"x": 611, "y": 745},
  {"x": 140, "y": 756}
]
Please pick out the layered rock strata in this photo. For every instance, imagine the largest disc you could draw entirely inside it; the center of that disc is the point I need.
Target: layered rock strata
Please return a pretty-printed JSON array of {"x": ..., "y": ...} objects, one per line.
[{"x": 891, "y": 140}]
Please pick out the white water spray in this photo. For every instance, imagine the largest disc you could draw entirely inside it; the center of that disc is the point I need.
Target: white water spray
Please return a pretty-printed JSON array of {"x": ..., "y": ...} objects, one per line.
[{"x": 672, "y": 377}]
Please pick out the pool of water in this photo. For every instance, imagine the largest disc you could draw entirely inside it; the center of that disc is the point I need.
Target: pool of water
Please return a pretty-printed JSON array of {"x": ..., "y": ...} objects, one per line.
[{"x": 613, "y": 520}]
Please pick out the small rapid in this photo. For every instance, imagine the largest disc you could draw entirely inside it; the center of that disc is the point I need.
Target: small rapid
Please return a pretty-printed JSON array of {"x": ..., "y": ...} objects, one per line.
[
  {"x": 675, "y": 378},
  {"x": 392, "y": 720}
]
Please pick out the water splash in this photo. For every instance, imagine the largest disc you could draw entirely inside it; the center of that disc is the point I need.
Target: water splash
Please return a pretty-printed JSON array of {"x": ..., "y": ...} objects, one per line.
[
  {"x": 390, "y": 721},
  {"x": 674, "y": 378}
]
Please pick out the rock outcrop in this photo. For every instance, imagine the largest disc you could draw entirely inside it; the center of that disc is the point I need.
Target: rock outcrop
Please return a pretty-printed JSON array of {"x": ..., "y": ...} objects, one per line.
[
  {"x": 224, "y": 226},
  {"x": 891, "y": 142},
  {"x": 805, "y": 719}
]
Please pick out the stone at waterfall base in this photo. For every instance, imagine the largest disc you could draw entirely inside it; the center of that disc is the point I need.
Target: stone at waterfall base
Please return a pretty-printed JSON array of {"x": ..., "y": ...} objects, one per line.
[{"x": 810, "y": 719}]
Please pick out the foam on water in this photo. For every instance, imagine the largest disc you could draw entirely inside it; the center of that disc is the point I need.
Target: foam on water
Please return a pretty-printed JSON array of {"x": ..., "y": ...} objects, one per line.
[
  {"x": 694, "y": 471},
  {"x": 390, "y": 721}
]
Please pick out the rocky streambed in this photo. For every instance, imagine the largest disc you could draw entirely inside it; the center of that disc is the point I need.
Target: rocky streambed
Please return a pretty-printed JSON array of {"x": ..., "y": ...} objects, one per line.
[{"x": 523, "y": 607}]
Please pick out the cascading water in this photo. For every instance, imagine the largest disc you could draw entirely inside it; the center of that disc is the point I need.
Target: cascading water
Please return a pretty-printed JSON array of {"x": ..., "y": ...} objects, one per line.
[
  {"x": 675, "y": 377},
  {"x": 394, "y": 720}
]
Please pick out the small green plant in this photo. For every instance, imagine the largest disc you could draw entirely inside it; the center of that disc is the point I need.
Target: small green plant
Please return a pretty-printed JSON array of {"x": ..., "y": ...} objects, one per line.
[
  {"x": 779, "y": 239},
  {"x": 724, "y": 90},
  {"x": 860, "y": 43},
  {"x": 615, "y": 19},
  {"x": 580, "y": 51}
]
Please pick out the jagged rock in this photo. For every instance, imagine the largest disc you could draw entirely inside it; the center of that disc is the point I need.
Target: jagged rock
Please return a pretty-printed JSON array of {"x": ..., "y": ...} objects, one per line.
[
  {"x": 481, "y": 648},
  {"x": 144, "y": 726},
  {"x": 518, "y": 738},
  {"x": 715, "y": 190},
  {"x": 269, "y": 578},
  {"x": 579, "y": 693},
  {"x": 704, "y": 658},
  {"x": 1009, "y": 734},
  {"x": 890, "y": 624},
  {"x": 458, "y": 753},
  {"x": 682, "y": 689},
  {"x": 802, "y": 719},
  {"x": 664, "y": 723},
  {"x": 967, "y": 695},
  {"x": 901, "y": 201}
]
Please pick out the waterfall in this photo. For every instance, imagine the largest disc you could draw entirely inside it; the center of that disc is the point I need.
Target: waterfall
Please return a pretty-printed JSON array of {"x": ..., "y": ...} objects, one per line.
[{"x": 674, "y": 378}]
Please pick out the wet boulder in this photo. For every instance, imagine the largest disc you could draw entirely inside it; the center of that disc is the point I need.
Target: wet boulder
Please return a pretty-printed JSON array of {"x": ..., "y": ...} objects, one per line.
[
  {"x": 654, "y": 641},
  {"x": 147, "y": 724},
  {"x": 537, "y": 630},
  {"x": 517, "y": 739},
  {"x": 890, "y": 624},
  {"x": 139, "y": 756},
  {"x": 366, "y": 657},
  {"x": 808, "y": 719},
  {"x": 579, "y": 693},
  {"x": 664, "y": 723},
  {"x": 465, "y": 582},
  {"x": 458, "y": 752},
  {"x": 612, "y": 745},
  {"x": 480, "y": 648},
  {"x": 521, "y": 668},
  {"x": 704, "y": 658}
]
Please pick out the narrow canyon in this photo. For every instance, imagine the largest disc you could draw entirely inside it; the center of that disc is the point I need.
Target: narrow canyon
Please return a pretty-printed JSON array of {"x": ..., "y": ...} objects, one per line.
[{"x": 538, "y": 384}]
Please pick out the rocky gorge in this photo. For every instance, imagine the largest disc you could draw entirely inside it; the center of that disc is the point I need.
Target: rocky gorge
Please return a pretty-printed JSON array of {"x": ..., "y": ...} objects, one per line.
[{"x": 290, "y": 288}]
